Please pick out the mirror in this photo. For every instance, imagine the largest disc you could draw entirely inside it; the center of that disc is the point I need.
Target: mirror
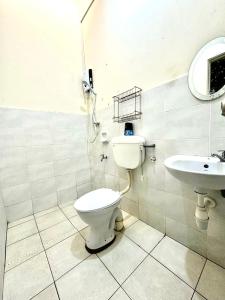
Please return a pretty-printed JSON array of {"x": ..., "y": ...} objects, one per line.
[{"x": 206, "y": 76}]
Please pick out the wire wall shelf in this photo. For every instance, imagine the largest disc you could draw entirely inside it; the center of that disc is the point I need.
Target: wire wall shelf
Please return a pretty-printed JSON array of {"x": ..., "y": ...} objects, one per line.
[{"x": 125, "y": 110}]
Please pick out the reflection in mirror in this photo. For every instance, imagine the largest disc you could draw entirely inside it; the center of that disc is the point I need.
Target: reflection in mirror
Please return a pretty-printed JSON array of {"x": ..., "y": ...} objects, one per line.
[
  {"x": 207, "y": 72},
  {"x": 216, "y": 73}
]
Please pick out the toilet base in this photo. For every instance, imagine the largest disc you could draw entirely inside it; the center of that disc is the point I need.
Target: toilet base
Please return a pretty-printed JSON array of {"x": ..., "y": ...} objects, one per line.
[{"x": 93, "y": 251}]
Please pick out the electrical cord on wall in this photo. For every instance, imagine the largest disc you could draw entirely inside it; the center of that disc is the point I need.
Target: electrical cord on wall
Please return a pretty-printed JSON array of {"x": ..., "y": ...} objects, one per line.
[{"x": 95, "y": 123}]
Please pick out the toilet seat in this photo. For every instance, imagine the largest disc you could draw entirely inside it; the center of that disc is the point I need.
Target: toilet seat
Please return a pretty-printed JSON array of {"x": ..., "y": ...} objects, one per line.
[{"x": 95, "y": 200}]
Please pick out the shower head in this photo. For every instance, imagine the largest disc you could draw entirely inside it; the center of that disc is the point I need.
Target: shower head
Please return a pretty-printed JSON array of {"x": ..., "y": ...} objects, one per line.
[{"x": 87, "y": 87}]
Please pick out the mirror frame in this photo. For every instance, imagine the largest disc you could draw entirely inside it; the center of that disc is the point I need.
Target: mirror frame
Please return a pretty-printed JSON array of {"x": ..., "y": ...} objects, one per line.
[{"x": 195, "y": 93}]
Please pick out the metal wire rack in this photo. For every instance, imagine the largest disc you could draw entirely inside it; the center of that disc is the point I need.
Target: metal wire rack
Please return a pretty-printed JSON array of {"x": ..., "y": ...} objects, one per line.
[{"x": 124, "y": 111}]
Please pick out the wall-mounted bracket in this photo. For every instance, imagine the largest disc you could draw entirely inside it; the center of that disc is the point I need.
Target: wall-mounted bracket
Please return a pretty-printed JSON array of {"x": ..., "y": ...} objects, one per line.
[{"x": 149, "y": 146}]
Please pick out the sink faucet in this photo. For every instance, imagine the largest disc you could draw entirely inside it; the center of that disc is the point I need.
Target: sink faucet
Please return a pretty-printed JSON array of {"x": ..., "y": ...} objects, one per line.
[
  {"x": 103, "y": 156},
  {"x": 221, "y": 157}
]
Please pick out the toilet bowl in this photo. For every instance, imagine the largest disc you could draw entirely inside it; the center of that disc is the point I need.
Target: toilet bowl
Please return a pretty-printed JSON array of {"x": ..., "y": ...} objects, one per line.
[{"x": 99, "y": 209}]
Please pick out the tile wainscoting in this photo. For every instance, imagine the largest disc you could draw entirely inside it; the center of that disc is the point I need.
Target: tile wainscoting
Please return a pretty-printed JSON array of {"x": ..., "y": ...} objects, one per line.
[
  {"x": 178, "y": 124},
  {"x": 44, "y": 160}
]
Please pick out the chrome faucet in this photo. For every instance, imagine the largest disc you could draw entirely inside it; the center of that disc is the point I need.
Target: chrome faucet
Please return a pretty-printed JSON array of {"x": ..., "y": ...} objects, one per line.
[
  {"x": 221, "y": 157},
  {"x": 103, "y": 156}
]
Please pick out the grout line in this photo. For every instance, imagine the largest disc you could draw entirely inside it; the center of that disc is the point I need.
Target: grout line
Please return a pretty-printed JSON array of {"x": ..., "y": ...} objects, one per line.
[
  {"x": 22, "y": 239},
  {"x": 120, "y": 287},
  {"x": 21, "y": 222},
  {"x": 171, "y": 271},
  {"x": 215, "y": 263},
  {"x": 25, "y": 261},
  {"x": 73, "y": 267},
  {"x": 200, "y": 275},
  {"x": 186, "y": 246},
  {"x": 57, "y": 292},
  {"x": 60, "y": 241},
  {"x": 157, "y": 243},
  {"x": 192, "y": 295},
  {"x": 44, "y": 250},
  {"x": 41, "y": 230},
  {"x": 41, "y": 291},
  {"x": 114, "y": 293},
  {"x": 135, "y": 269},
  {"x": 126, "y": 292},
  {"x": 44, "y": 214},
  {"x": 47, "y": 260},
  {"x": 78, "y": 231},
  {"x": 107, "y": 269},
  {"x": 140, "y": 246}
]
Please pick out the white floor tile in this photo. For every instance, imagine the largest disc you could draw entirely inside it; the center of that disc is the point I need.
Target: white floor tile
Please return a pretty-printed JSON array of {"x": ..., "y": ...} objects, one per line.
[
  {"x": 122, "y": 257},
  {"x": 20, "y": 221},
  {"x": 22, "y": 250},
  {"x": 89, "y": 280},
  {"x": 50, "y": 219},
  {"x": 120, "y": 295},
  {"x": 185, "y": 263},
  {"x": 57, "y": 233},
  {"x": 69, "y": 211},
  {"x": 78, "y": 223},
  {"x": 48, "y": 294},
  {"x": 151, "y": 281},
  {"x": 144, "y": 235},
  {"x": 212, "y": 282},
  {"x": 21, "y": 231},
  {"x": 27, "y": 279},
  {"x": 66, "y": 255}
]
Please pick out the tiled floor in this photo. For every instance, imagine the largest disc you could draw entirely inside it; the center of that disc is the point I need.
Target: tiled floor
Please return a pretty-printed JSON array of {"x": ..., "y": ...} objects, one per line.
[{"x": 46, "y": 260}]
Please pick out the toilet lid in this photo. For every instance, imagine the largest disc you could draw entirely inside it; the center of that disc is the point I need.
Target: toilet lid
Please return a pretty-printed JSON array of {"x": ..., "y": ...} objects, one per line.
[{"x": 97, "y": 199}]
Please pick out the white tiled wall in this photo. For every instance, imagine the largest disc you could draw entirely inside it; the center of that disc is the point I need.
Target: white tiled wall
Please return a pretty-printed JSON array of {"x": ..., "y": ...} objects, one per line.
[
  {"x": 178, "y": 124},
  {"x": 3, "y": 227},
  {"x": 43, "y": 160}
]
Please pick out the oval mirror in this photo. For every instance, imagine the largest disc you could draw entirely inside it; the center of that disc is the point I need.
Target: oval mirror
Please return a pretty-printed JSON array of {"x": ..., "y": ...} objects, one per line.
[{"x": 206, "y": 76}]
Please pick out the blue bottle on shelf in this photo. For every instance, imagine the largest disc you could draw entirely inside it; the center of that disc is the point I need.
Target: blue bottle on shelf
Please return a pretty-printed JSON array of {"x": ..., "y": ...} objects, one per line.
[{"x": 128, "y": 129}]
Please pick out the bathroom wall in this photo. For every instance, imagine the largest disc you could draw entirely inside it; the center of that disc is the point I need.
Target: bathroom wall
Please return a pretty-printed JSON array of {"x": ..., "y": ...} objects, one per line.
[
  {"x": 178, "y": 124},
  {"x": 3, "y": 227},
  {"x": 130, "y": 43},
  {"x": 40, "y": 55},
  {"x": 44, "y": 160}
]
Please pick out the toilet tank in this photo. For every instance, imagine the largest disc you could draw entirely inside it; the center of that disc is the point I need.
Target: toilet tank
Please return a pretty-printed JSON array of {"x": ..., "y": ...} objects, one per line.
[{"x": 128, "y": 151}]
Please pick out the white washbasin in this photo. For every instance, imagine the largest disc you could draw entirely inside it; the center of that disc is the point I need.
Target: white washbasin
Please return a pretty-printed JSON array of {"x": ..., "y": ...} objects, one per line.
[{"x": 199, "y": 171}]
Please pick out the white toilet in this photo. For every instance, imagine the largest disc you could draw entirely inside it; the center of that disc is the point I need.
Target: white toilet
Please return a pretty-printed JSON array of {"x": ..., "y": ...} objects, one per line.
[{"x": 99, "y": 208}]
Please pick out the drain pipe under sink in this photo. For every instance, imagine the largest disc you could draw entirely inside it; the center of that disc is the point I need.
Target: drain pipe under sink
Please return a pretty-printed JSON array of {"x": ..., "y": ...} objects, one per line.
[
  {"x": 204, "y": 203},
  {"x": 117, "y": 217}
]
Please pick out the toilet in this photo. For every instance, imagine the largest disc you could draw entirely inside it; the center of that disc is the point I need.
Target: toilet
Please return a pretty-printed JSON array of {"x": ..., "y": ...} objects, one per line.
[{"x": 99, "y": 208}]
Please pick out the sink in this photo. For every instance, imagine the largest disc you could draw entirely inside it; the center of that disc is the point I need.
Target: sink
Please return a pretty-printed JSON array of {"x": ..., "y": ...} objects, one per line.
[{"x": 204, "y": 173}]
